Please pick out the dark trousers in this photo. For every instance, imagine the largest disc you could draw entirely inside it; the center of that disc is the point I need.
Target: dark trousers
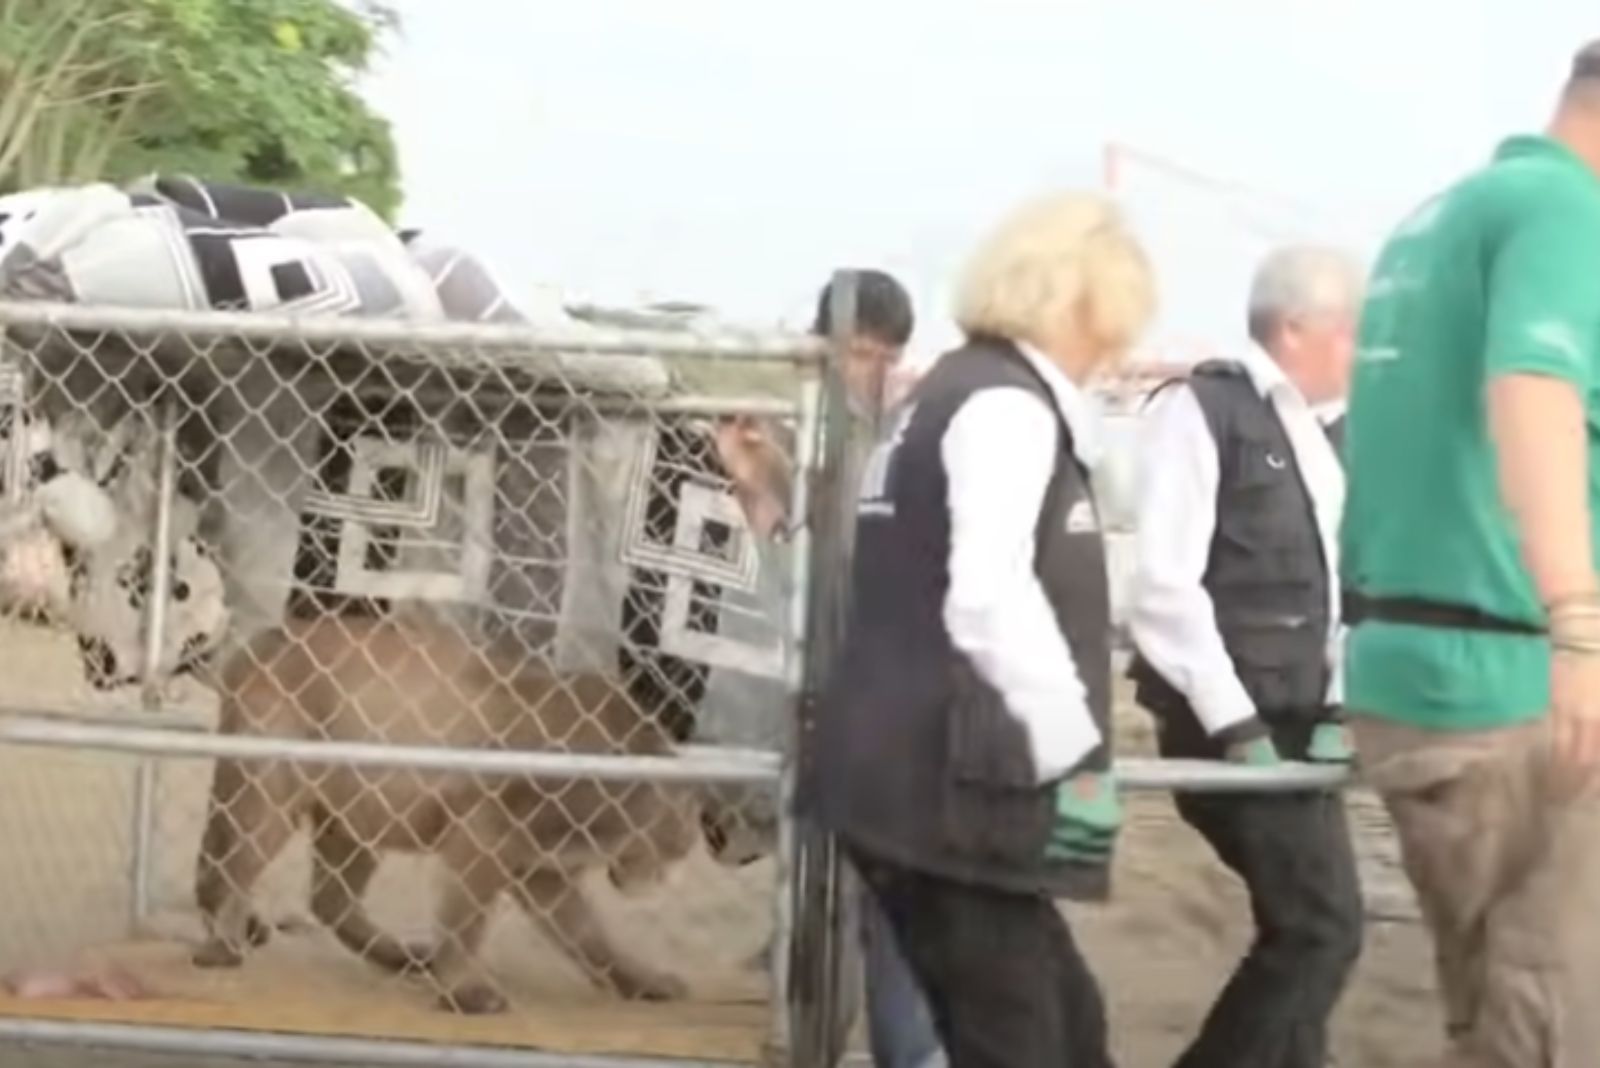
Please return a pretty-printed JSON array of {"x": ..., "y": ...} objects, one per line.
[
  {"x": 1294, "y": 854},
  {"x": 1001, "y": 974}
]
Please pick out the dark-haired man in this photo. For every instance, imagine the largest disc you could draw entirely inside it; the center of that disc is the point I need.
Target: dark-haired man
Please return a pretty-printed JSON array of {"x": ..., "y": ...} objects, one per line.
[
  {"x": 883, "y": 325},
  {"x": 899, "y": 1026}
]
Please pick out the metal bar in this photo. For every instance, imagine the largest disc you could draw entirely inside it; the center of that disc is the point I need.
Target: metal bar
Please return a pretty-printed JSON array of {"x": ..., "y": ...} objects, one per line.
[
  {"x": 437, "y": 337},
  {"x": 802, "y": 545},
  {"x": 815, "y": 1025},
  {"x": 155, "y": 616},
  {"x": 1217, "y": 777},
  {"x": 851, "y": 433},
  {"x": 144, "y": 818},
  {"x": 554, "y": 404},
  {"x": 155, "y": 621},
  {"x": 143, "y": 835},
  {"x": 309, "y": 1049},
  {"x": 780, "y": 1040},
  {"x": 696, "y": 404},
  {"x": 16, "y": 458},
  {"x": 779, "y": 1045},
  {"x": 709, "y": 764},
  {"x": 182, "y": 740},
  {"x": 842, "y": 431},
  {"x": 117, "y": 715}
]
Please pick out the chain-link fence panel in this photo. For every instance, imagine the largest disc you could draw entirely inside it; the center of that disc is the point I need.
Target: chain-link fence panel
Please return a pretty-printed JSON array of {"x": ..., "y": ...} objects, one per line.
[{"x": 365, "y": 678}]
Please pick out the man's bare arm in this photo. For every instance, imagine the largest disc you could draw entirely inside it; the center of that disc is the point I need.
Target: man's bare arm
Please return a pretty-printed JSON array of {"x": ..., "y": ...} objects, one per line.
[
  {"x": 1537, "y": 423},
  {"x": 1540, "y": 361}
]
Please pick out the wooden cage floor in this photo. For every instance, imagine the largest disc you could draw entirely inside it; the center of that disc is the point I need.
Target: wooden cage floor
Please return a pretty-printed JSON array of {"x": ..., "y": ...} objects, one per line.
[{"x": 296, "y": 987}]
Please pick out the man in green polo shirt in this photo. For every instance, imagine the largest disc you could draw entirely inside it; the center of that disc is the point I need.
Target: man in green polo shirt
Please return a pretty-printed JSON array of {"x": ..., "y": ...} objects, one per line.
[{"x": 1473, "y": 677}]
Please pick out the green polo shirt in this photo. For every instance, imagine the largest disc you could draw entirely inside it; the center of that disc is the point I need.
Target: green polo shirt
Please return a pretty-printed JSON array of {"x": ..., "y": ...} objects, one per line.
[{"x": 1499, "y": 274}]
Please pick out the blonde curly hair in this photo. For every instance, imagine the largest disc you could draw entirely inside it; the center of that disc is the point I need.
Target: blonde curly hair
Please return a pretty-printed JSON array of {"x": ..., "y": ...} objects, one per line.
[{"x": 1067, "y": 258}]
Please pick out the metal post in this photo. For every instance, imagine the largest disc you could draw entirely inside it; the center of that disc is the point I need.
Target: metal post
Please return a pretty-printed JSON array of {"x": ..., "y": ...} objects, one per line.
[
  {"x": 818, "y": 1027},
  {"x": 778, "y": 1049},
  {"x": 90, "y": 1039},
  {"x": 780, "y": 1040},
  {"x": 690, "y": 764},
  {"x": 155, "y": 621},
  {"x": 14, "y": 395}
]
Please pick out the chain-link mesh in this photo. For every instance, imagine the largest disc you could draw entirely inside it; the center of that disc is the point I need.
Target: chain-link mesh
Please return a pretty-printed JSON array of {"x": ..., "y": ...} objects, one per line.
[{"x": 460, "y": 540}]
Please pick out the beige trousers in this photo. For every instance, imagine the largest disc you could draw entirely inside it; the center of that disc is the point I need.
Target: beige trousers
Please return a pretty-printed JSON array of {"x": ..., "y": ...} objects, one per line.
[{"x": 1507, "y": 871}]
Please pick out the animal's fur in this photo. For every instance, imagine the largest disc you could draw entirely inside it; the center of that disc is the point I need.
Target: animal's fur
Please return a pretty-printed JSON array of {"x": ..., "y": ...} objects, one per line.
[{"x": 408, "y": 684}]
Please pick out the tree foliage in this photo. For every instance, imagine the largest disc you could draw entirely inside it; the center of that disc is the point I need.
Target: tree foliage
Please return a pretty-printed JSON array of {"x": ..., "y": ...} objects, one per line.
[{"x": 257, "y": 91}]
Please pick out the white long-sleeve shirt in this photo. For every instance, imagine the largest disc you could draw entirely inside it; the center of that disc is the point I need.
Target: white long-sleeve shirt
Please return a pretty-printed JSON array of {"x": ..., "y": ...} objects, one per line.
[
  {"x": 1171, "y": 616},
  {"x": 995, "y": 610}
]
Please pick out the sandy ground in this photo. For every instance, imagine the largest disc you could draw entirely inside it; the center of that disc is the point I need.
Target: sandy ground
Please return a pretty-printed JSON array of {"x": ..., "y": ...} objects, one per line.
[{"x": 1162, "y": 949}]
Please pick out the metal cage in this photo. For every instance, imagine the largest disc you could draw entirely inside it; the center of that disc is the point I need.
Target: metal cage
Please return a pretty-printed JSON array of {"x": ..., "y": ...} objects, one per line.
[{"x": 427, "y": 615}]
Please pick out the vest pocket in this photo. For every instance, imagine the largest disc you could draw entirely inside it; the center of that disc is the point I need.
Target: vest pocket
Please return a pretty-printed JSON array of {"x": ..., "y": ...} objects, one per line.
[
  {"x": 993, "y": 809},
  {"x": 987, "y": 745},
  {"x": 1263, "y": 512},
  {"x": 1279, "y": 661},
  {"x": 999, "y": 828}
]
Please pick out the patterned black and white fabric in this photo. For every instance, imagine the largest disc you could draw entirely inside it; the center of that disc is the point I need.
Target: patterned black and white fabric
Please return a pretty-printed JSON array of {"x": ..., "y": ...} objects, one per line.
[
  {"x": 467, "y": 290},
  {"x": 173, "y": 244},
  {"x": 315, "y": 216}
]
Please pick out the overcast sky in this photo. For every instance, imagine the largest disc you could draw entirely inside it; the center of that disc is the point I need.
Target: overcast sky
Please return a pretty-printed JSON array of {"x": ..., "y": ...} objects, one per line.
[{"x": 734, "y": 151}]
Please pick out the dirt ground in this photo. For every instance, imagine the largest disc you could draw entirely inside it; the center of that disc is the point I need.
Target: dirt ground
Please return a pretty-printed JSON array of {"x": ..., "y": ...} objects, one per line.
[{"x": 1162, "y": 949}]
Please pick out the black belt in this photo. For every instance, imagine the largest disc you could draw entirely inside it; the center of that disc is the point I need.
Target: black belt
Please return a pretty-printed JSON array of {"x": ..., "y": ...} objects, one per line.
[{"x": 1421, "y": 612}]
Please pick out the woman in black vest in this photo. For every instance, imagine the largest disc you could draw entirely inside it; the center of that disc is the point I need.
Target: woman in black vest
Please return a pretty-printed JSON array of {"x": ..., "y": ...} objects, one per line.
[{"x": 962, "y": 751}]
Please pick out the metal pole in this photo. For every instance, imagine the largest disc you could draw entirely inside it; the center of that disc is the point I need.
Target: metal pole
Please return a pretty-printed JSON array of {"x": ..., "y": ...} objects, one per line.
[
  {"x": 144, "y": 789},
  {"x": 702, "y": 764},
  {"x": 448, "y": 344},
  {"x": 779, "y": 1046},
  {"x": 780, "y": 1040},
  {"x": 307, "y": 1049},
  {"x": 817, "y": 1035},
  {"x": 691, "y": 404},
  {"x": 14, "y": 381},
  {"x": 692, "y": 764},
  {"x": 155, "y": 621}
]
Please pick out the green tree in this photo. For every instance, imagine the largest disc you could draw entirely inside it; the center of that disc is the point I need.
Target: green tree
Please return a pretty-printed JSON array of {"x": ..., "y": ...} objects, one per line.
[
  {"x": 70, "y": 87},
  {"x": 255, "y": 91}
]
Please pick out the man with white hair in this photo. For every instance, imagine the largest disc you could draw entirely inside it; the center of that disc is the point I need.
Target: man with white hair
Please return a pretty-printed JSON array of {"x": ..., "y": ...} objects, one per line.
[{"x": 1235, "y": 618}]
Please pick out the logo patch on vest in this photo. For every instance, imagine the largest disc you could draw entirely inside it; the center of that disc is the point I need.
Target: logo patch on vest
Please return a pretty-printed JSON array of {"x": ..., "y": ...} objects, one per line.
[
  {"x": 1276, "y": 462},
  {"x": 1081, "y": 518}
]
